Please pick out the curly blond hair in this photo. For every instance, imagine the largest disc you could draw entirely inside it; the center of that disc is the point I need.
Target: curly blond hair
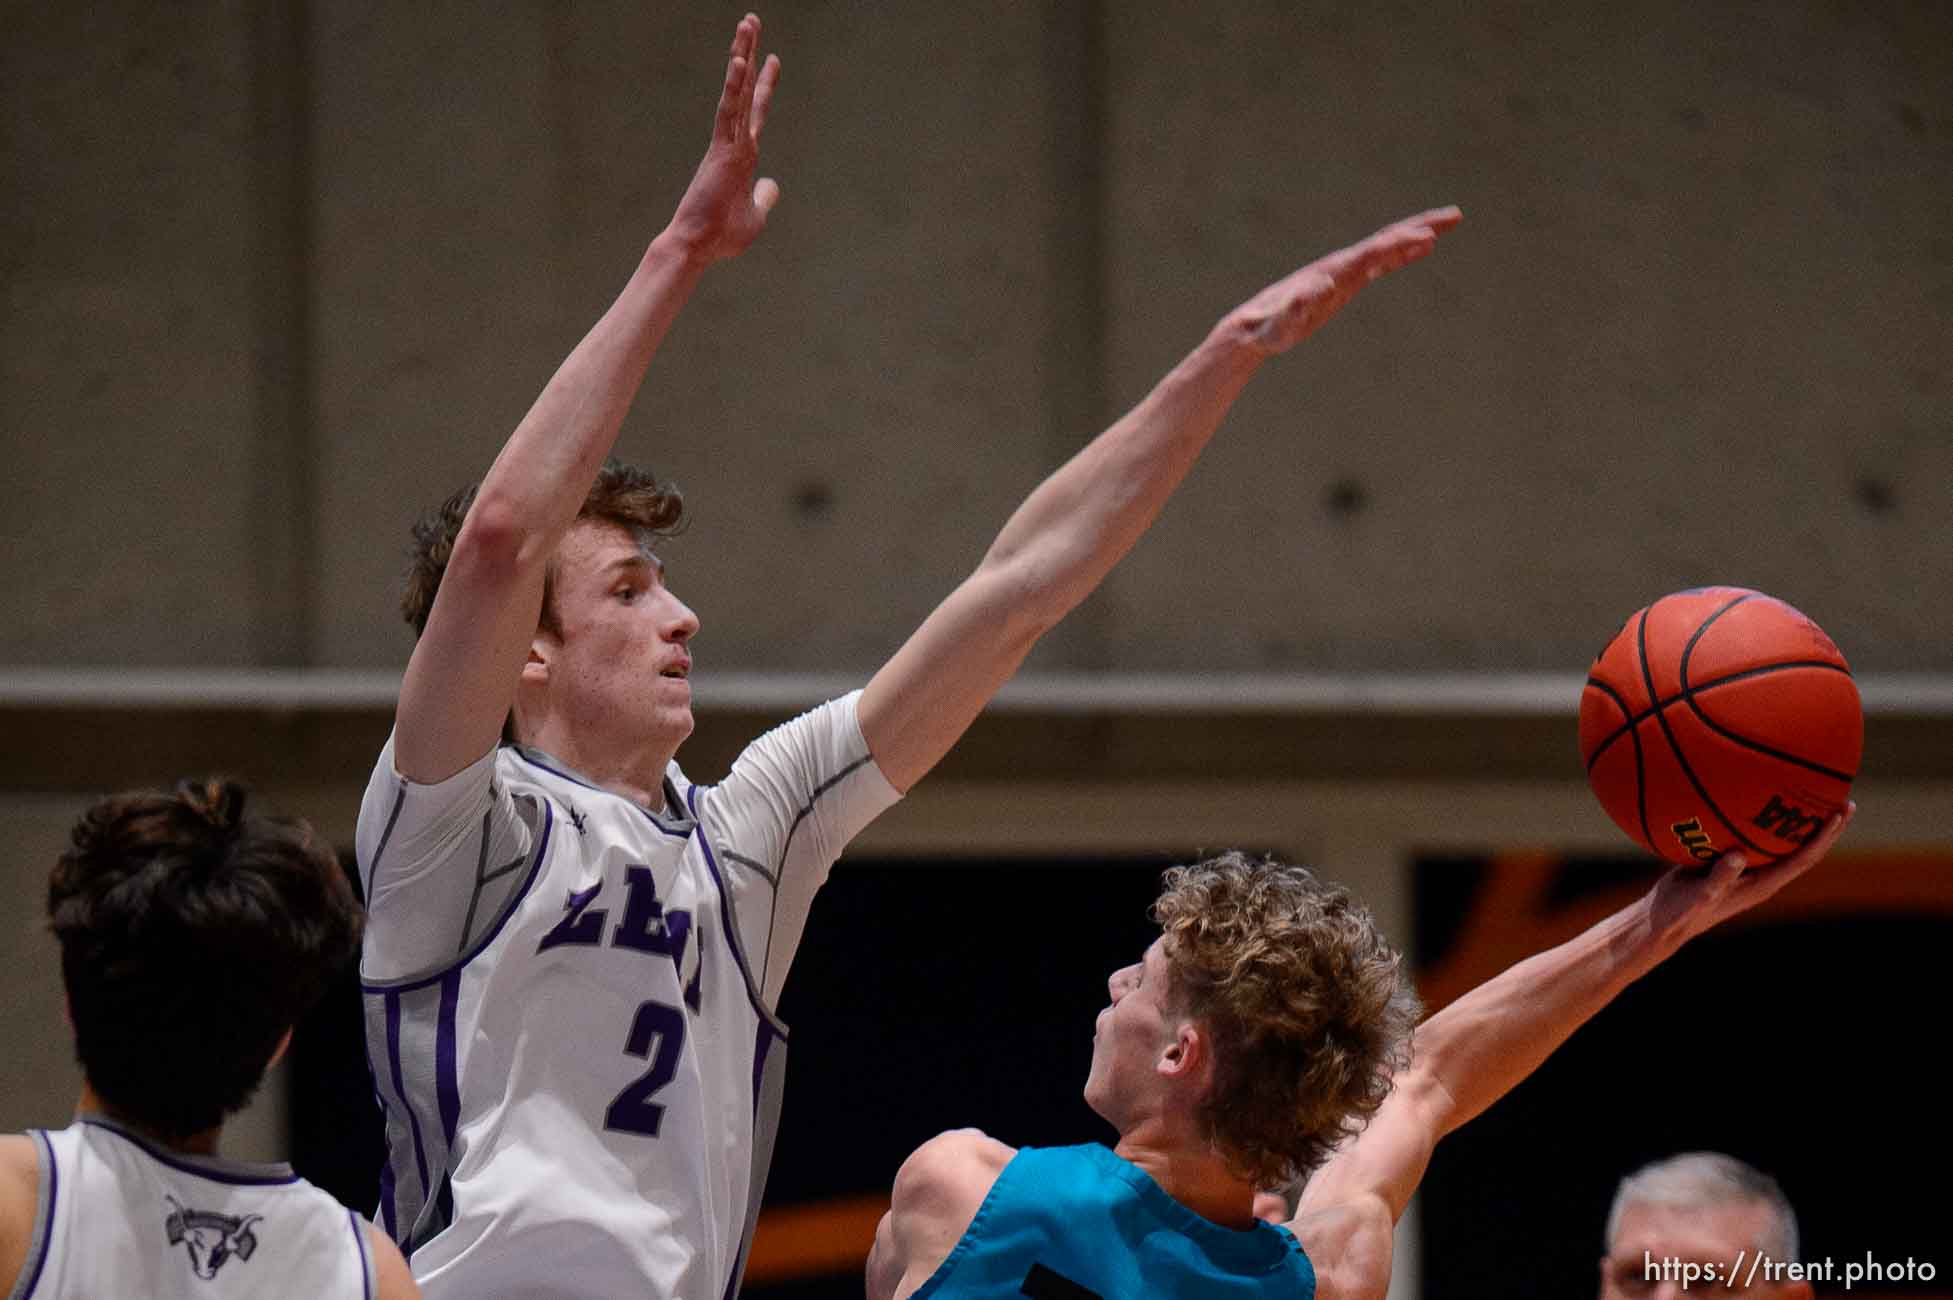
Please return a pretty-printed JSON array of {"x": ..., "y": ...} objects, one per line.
[{"x": 1308, "y": 1008}]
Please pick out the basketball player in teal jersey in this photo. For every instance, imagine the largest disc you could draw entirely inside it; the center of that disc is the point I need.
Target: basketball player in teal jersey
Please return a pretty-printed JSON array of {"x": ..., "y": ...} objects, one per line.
[
  {"x": 1268, "y": 1026},
  {"x": 574, "y": 952}
]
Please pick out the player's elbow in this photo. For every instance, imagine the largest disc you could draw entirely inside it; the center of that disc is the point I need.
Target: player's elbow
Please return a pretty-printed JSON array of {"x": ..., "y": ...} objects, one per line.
[
  {"x": 1028, "y": 593},
  {"x": 495, "y": 543}
]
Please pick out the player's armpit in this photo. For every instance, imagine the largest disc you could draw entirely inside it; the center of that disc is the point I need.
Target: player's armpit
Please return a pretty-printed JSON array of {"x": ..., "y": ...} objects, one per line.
[{"x": 1349, "y": 1245}]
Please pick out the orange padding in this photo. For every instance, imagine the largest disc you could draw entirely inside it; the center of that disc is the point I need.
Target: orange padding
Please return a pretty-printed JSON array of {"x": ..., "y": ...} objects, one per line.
[{"x": 815, "y": 1240}]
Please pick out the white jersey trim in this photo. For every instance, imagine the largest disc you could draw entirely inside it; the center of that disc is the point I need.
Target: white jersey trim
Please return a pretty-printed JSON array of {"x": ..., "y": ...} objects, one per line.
[
  {"x": 734, "y": 941},
  {"x": 37, "y": 1249}
]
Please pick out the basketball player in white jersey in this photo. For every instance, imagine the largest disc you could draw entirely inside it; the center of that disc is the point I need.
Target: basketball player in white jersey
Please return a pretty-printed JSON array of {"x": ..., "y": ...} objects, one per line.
[
  {"x": 1264, "y": 1028},
  {"x": 574, "y": 952},
  {"x": 192, "y": 939}
]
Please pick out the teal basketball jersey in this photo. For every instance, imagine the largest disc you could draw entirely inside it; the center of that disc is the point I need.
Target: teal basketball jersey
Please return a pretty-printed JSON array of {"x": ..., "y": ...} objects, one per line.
[{"x": 1080, "y": 1223}]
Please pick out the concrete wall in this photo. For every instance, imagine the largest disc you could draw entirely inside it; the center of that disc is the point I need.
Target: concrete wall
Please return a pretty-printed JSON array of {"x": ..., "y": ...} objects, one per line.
[
  {"x": 274, "y": 278},
  {"x": 275, "y": 281}
]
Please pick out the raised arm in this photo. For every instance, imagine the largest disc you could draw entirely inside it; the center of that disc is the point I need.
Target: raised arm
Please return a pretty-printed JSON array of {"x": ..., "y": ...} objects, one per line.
[
  {"x": 1478, "y": 1049},
  {"x": 1067, "y": 536},
  {"x": 463, "y": 673}
]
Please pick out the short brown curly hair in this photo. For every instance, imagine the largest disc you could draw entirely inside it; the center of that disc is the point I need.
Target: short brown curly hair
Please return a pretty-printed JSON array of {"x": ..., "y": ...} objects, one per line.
[
  {"x": 193, "y": 936},
  {"x": 623, "y": 494},
  {"x": 1308, "y": 1007}
]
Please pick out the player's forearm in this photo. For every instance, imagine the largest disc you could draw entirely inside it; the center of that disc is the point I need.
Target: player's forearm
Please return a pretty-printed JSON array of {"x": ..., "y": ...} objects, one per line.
[
  {"x": 1079, "y": 522},
  {"x": 1478, "y": 1048},
  {"x": 537, "y": 484}
]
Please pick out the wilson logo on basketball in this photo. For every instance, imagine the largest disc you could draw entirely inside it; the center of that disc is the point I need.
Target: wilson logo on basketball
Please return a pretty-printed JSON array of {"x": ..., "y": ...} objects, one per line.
[
  {"x": 1695, "y": 840},
  {"x": 1787, "y": 822}
]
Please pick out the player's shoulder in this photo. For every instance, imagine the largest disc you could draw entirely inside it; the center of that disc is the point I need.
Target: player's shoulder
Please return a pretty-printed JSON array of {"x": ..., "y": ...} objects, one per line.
[
  {"x": 20, "y": 1168},
  {"x": 969, "y": 1145},
  {"x": 938, "y": 1191},
  {"x": 20, "y": 1195},
  {"x": 393, "y": 1280},
  {"x": 952, "y": 1167}
]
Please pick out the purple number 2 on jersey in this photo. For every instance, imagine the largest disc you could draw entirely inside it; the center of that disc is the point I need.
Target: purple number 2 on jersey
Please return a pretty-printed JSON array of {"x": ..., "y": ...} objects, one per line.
[
  {"x": 633, "y": 1111},
  {"x": 645, "y": 927}
]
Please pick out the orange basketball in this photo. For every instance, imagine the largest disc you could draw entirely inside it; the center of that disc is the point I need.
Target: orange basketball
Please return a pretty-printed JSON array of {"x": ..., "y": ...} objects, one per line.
[{"x": 1721, "y": 718}]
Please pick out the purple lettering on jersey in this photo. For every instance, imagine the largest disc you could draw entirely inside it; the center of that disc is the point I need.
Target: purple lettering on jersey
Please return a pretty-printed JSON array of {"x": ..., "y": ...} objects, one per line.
[
  {"x": 578, "y": 926},
  {"x": 646, "y": 926}
]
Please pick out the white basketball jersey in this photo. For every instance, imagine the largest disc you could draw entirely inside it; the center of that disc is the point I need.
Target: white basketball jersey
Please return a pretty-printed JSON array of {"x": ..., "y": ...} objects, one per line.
[
  {"x": 120, "y": 1216},
  {"x": 569, "y": 1009}
]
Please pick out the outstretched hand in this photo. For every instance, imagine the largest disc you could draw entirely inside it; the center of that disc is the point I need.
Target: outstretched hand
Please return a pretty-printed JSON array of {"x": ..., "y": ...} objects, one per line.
[
  {"x": 724, "y": 209},
  {"x": 1688, "y": 900},
  {"x": 1291, "y": 309}
]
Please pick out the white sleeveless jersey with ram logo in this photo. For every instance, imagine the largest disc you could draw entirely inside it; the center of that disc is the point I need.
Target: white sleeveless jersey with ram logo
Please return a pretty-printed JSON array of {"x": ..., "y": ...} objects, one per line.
[
  {"x": 569, "y": 1008},
  {"x": 121, "y": 1216}
]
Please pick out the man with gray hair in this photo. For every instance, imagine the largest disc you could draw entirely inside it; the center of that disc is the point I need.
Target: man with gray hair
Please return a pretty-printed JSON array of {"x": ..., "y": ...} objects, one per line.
[{"x": 1700, "y": 1221}]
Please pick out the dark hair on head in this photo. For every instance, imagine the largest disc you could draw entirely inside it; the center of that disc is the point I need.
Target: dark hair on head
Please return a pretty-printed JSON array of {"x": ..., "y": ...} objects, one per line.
[
  {"x": 192, "y": 937},
  {"x": 633, "y": 498},
  {"x": 1307, "y": 1006}
]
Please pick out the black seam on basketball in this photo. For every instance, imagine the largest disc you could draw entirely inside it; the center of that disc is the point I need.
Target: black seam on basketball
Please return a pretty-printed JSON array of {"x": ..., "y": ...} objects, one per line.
[
  {"x": 1713, "y": 725},
  {"x": 1762, "y": 748},
  {"x": 1690, "y": 694},
  {"x": 1761, "y": 669},
  {"x": 1681, "y": 759},
  {"x": 1640, "y": 776},
  {"x": 1682, "y": 669},
  {"x": 1641, "y": 790},
  {"x": 1621, "y": 703}
]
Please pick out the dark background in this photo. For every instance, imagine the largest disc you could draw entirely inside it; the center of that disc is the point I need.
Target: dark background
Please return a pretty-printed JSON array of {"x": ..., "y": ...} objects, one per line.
[
  {"x": 943, "y": 994},
  {"x": 1808, "y": 1049}
]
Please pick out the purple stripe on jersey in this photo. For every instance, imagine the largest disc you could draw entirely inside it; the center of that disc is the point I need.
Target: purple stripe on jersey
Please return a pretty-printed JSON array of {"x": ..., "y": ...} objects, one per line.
[
  {"x": 764, "y": 1040},
  {"x": 400, "y": 1091},
  {"x": 237, "y": 1175},
  {"x": 508, "y": 910},
  {"x": 447, "y": 1086},
  {"x": 732, "y": 928},
  {"x": 386, "y": 1197},
  {"x": 47, "y": 1216},
  {"x": 385, "y": 1213},
  {"x": 361, "y": 1245},
  {"x": 677, "y": 832}
]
